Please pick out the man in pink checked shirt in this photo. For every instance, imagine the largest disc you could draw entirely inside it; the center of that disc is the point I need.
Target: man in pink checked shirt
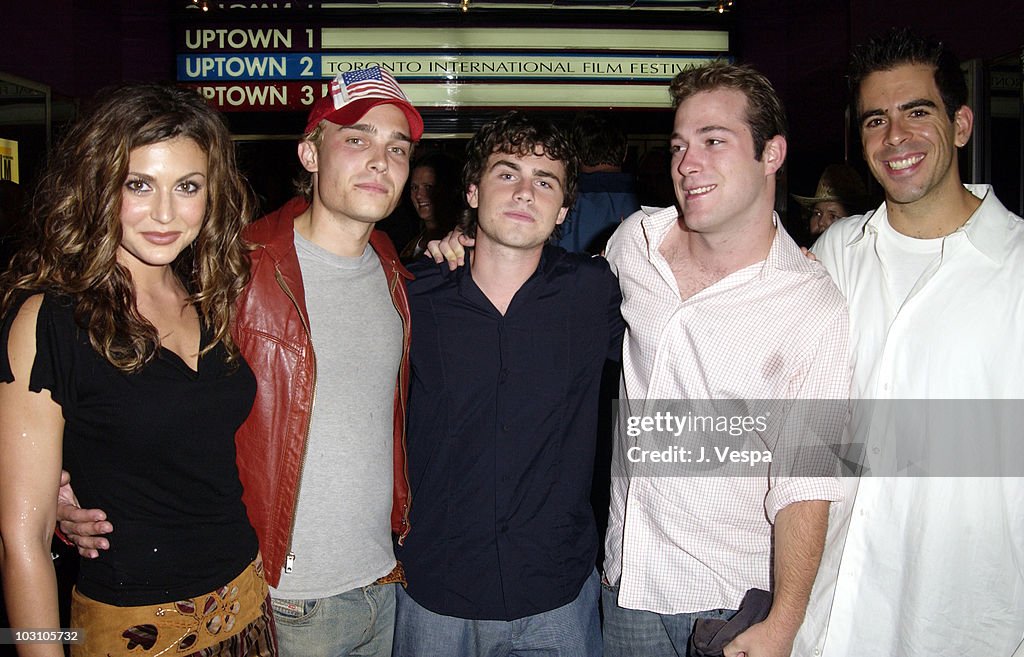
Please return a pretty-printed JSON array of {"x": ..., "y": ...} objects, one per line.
[{"x": 720, "y": 304}]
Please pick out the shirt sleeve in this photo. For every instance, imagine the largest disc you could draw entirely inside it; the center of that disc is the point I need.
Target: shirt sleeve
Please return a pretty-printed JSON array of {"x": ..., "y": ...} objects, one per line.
[
  {"x": 805, "y": 462},
  {"x": 831, "y": 248},
  {"x": 613, "y": 249},
  {"x": 53, "y": 366},
  {"x": 616, "y": 325}
]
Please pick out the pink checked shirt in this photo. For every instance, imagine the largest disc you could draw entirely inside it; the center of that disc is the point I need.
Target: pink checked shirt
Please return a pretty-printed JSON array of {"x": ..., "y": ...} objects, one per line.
[{"x": 776, "y": 330}]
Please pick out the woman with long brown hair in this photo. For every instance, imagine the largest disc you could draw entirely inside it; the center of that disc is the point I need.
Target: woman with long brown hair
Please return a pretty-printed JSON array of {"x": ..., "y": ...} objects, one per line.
[
  {"x": 117, "y": 360},
  {"x": 435, "y": 195}
]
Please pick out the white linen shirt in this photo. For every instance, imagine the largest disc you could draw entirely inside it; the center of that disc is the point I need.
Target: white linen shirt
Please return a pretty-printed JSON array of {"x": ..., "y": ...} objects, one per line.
[
  {"x": 776, "y": 330},
  {"x": 928, "y": 566}
]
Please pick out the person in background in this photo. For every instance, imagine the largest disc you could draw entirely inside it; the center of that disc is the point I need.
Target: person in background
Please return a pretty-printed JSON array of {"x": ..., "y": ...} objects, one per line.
[
  {"x": 118, "y": 358},
  {"x": 606, "y": 194},
  {"x": 840, "y": 193},
  {"x": 434, "y": 194}
]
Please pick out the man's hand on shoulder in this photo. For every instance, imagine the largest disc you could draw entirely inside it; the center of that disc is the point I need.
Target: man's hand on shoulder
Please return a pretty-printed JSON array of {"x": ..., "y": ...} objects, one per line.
[
  {"x": 83, "y": 527},
  {"x": 451, "y": 247}
]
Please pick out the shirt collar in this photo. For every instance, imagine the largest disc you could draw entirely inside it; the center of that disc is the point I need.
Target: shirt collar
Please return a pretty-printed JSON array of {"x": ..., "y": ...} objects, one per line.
[
  {"x": 547, "y": 269},
  {"x": 985, "y": 229},
  {"x": 784, "y": 254},
  {"x": 656, "y": 224}
]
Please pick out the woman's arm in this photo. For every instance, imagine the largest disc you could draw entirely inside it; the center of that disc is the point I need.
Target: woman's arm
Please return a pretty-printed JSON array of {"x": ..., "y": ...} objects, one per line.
[{"x": 31, "y": 430}]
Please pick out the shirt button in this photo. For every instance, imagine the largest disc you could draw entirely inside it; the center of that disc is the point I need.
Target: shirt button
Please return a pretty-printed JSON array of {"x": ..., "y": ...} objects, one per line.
[
  {"x": 506, "y": 427},
  {"x": 875, "y": 450}
]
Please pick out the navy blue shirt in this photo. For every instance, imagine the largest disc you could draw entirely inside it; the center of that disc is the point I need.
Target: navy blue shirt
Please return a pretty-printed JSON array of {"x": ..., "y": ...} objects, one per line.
[
  {"x": 501, "y": 436},
  {"x": 604, "y": 200}
]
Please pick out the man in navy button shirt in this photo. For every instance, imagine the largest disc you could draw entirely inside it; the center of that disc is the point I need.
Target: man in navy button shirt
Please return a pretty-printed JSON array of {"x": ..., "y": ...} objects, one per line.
[{"x": 506, "y": 361}]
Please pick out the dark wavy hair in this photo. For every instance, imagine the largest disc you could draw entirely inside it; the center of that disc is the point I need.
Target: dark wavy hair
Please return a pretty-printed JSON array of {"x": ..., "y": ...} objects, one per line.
[
  {"x": 76, "y": 222},
  {"x": 598, "y": 140},
  {"x": 766, "y": 116},
  {"x": 517, "y": 133},
  {"x": 901, "y": 46}
]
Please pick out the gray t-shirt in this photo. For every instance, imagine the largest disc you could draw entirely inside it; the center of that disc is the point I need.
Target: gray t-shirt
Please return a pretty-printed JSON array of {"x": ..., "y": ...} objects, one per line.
[{"x": 342, "y": 537}]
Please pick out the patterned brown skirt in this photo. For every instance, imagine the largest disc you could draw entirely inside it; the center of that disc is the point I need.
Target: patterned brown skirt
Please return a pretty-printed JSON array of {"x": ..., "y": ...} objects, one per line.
[{"x": 235, "y": 620}]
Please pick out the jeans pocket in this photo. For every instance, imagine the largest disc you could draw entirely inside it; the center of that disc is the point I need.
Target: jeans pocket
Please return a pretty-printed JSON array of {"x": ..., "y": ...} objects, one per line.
[{"x": 293, "y": 610}]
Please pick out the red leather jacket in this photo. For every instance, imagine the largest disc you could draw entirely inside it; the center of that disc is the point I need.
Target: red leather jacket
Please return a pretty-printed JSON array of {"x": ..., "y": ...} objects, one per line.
[{"x": 272, "y": 331}]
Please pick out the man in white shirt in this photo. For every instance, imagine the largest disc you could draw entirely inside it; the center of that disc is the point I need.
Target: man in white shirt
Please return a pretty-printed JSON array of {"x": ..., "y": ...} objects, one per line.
[
  {"x": 720, "y": 305},
  {"x": 925, "y": 565}
]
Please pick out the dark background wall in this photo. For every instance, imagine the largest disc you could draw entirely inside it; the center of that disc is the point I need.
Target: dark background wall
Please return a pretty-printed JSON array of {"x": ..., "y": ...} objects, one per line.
[{"x": 79, "y": 46}]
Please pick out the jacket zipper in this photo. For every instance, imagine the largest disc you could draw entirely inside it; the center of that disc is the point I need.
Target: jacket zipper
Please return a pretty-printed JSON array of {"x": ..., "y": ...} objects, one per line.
[
  {"x": 401, "y": 402},
  {"x": 289, "y": 562}
]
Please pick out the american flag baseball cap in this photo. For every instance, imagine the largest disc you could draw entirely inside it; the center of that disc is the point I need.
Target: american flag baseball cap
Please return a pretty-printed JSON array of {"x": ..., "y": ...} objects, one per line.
[{"x": 351, "y": 95}]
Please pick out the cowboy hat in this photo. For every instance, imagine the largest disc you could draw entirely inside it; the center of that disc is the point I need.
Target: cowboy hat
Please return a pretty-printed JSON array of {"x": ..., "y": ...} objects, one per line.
[{"x": 839, "y": 183}]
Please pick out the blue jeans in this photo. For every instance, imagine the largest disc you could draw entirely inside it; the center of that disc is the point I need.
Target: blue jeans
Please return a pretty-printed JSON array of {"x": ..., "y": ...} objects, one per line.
[
  {"x": 572, "y": 630},
  {"x": 638, "y": 633},
  {"x": 356, "y": 623}
]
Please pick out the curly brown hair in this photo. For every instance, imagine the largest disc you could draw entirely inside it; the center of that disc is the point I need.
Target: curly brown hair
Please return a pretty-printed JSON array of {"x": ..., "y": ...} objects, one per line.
[
  {"x": 76, "y": 222},
  {"x": 518, "y": 133}
]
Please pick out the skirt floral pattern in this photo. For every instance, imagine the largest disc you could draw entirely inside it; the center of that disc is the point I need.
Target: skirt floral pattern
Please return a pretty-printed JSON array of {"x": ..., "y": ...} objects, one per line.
[{"x": 232, "y": 621}]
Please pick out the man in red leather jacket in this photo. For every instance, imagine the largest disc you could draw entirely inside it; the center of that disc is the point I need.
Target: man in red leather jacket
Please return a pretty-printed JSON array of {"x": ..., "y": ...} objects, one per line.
[{"x": 324, "y": 324}]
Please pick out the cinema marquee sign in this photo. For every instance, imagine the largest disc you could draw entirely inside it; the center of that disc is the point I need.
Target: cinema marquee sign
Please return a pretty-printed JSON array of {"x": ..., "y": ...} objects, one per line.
[{"x": 275, "y": 68}]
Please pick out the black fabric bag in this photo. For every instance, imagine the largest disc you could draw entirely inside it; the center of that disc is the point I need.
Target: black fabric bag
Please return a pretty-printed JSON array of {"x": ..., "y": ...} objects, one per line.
[{"x": 711, "y": 635}]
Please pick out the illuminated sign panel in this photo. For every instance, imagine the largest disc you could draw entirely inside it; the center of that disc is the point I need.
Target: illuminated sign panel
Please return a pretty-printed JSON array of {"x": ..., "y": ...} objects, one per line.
[
  {"x": 268, "y": 67},
  {"x": 538, "y": 38},
  {"x": 9, "y": 160}
]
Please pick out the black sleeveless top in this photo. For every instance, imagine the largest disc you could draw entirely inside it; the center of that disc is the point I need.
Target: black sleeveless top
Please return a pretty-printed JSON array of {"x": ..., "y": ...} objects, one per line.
[{"x": 156, "y": 451}]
